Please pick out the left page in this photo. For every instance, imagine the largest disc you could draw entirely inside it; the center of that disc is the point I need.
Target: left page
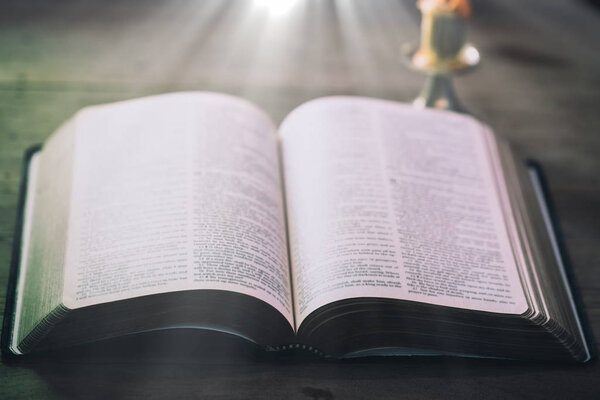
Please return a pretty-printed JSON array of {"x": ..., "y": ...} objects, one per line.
[{"x": 176, "y": 192}]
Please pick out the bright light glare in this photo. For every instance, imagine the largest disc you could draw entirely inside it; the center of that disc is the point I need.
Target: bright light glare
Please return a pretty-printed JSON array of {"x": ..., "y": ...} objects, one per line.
[{"x": 275, "y": 8}]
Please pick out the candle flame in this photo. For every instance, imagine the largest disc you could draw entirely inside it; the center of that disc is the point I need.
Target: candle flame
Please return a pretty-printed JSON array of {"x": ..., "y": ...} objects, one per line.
[{"x": 460, "y": 7}]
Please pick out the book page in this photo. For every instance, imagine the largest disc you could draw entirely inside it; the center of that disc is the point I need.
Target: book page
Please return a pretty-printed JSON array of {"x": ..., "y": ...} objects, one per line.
[
  {"x": 388, "y": 201},
  {"x": 45, "y": 226},
  {"x": 177, "y": 192}
]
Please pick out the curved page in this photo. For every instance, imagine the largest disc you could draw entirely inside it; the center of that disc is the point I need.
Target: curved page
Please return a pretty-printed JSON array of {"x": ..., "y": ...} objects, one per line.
[
  {"x": 176, "y": 192},
  {"x": 385, "y": 200}
]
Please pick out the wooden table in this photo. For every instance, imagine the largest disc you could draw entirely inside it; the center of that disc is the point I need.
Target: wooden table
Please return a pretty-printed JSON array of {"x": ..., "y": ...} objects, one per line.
[{"x": 539, "y": 86}]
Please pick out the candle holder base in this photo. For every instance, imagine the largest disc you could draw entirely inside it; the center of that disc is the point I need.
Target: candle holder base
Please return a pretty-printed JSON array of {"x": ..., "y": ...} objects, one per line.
[{"x": 438, "y": 91}]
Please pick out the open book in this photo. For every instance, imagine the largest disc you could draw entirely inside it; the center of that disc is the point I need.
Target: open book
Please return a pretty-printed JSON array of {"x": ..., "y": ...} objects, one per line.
[{"x": 360, "y": 227}]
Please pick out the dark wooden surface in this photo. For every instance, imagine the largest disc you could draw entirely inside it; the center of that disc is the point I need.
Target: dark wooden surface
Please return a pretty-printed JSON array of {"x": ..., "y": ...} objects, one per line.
[{"x": 539, "y": 86}]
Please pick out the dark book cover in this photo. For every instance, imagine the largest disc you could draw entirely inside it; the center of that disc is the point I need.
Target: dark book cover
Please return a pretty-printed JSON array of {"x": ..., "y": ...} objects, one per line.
[
  {"x": 539, "y": 181},
  {"x": 546, "y": 204},
  {"x": 13, "y": 277}
]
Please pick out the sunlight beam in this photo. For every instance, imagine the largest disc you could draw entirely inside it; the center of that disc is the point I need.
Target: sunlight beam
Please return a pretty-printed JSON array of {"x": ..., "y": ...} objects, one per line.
[{"x": 275, "y": 8}]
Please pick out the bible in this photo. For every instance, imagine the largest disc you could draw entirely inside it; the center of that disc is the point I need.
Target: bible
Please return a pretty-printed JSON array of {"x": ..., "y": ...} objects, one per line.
[{"x": 359, "y": 227}]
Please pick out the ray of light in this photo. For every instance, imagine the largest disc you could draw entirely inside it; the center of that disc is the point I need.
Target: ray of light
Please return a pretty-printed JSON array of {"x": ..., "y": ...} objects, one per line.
[{"x": 276, "y": 8}]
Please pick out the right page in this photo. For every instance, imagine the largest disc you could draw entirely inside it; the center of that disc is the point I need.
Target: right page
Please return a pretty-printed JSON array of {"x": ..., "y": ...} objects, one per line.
[{"x": 388, "y": 201}]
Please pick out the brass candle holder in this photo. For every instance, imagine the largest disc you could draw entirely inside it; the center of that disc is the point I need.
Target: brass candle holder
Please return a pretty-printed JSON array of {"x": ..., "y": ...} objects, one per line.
[{"x": 443, "y": 52}]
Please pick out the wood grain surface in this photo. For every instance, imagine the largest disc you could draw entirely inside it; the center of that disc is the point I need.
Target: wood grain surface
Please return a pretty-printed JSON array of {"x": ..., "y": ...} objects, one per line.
[{"x": 539, "y": 86}]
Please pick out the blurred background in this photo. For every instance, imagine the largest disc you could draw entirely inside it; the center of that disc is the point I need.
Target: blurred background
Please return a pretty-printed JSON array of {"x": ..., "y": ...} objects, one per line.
[
  {"x": 541, "y": 59},
  {"x": 538, "y": 85}
]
